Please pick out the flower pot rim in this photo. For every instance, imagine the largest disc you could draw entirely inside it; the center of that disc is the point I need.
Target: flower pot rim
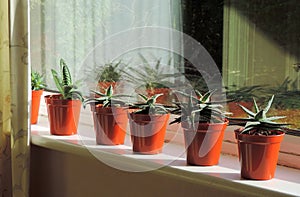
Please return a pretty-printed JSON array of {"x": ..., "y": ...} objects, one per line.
[
  {"x": 259, "y": 139},
  {"x": 61, "y": 102},
  {"x": 99, "y": 109},
  {"x": 281, "y": 133},
  {"x": 109, "y": 82},
  {"x": 225, "y": 121},
  {"x": 37, "y": 90},
  {"x": 56, "y": 97},
  {"x": 52, "y": 96},
  {"x": 208, "y": 124},
  {"x": 153, "y": 115},
  {"x": 163, "y": 88},
  {"x": 98, "y": 106},
  {"x": 37, "y": 93}
]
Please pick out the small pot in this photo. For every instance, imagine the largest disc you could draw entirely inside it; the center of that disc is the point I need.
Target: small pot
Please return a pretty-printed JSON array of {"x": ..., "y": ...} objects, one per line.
[
  {"x": 63, "y": 115},
  {"x": 258, "y": 155},
  {"x": 35, "y": 105},
  {"x": 110, "y": 124},
  {"x": 148, "y": 132},
  {"x": 204, "y": 145}
]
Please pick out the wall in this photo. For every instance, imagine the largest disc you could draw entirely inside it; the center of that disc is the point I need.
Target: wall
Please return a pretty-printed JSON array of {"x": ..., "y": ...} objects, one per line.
[{"x": 55, "y": 173}]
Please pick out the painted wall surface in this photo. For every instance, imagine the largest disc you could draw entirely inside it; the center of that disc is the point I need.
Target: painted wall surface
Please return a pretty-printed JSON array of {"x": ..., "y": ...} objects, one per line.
[{"x": 61, "y": 174}]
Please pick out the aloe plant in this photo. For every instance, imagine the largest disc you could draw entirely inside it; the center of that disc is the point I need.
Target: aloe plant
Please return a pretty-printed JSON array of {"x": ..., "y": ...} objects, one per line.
[
  {"x": 258, "y": 123},
  {"x": 199, "y": 108},
  {"x": 110, "y": 72},
  {"x": 149, "y": 77},
  {"x": 149, "y": 105},
  {"x": 287, "y": 94},
  {"x": 64, "y": 83},
  {"x": 245, "y": 93},
  {"x": 107, "y": 99},
  {"x": 37, "y": 81}
]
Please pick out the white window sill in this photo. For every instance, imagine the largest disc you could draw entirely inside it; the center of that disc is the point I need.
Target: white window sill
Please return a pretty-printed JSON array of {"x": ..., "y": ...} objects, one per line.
[{"x": 225, "y": 175}]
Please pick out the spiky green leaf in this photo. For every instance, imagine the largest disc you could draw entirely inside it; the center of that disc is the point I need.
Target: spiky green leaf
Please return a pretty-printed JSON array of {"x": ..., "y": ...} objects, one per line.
[
  {"x": 57, "y": 81},
  {"x": 66, "y": 75},
  {"x": 248, "y": 112},
  {"x": 269, "y": 104},
  {"x": 255, "y": 106}
]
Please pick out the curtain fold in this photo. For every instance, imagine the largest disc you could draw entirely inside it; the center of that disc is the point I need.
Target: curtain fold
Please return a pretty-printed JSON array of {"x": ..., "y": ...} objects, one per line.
[
  {"x": 14, "y": 99},
  {"x": 5, "y": 103},
  {"x": 89, "y": 24}
]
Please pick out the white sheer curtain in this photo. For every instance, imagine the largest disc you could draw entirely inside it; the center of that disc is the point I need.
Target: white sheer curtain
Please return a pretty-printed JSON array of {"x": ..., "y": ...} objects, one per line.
[{"x": 75, "y": 29}]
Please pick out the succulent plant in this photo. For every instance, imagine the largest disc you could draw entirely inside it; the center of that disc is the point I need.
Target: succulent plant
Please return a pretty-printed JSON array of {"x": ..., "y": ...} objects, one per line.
[
  {"x": 245, "y": 93},
  {"x": 148, "y": 76},
  {"x": 37, "y": 81},
  {"x": 64, "y": 83},
  {"x": 257, "y": 122},
  {"x": 149, "y": 105},
  {"x": 110, "y": 72},
  {"x": 199, "y": 108},
  {"x": 107, "y": 99},
  {"x": 287, "y": 94}
]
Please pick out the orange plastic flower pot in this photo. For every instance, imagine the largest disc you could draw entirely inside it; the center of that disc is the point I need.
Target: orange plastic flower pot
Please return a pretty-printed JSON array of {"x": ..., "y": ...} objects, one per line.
[
  {"x": 35, "y": 105},
  {"x": 258, "y": 155},
  {"x": 148, "y": 132},
  {"x": 63, "y": 115},
  {"x": 204, "y": 145},
  {"x": 110, "y": 124}
]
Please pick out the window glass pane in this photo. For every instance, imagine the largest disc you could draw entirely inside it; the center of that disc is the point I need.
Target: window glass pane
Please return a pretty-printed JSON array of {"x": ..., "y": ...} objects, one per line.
[
  {"x": 261, "y": 47},
  {"x": 76, "y": 31}
]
